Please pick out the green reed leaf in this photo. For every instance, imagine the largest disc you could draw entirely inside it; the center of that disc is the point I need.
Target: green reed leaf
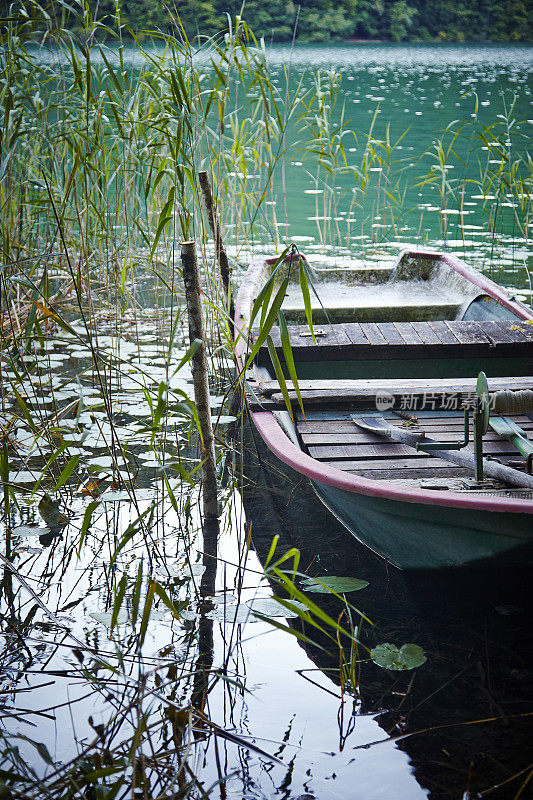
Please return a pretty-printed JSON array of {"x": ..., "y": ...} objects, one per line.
[
  {"x": 69, "y": 468},
  {"x": 147, "y": 609},
  {"x": 269, "y": 321},
  {"x": 279, "y": 374},
  {"x": 87, "y": 517},
  {"x": 165, "y": 599},
  {"x": 288, "y": 355},
  {"x": 136, "y": 595},
  {"x": 119, "y": 597}
]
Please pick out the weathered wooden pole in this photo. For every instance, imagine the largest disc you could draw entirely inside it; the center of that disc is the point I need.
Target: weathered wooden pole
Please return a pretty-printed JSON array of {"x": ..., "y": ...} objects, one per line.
[
  {"x": 193, "y": 291},
  {"x": 210, "y": 523},
  {"x": 220, "y": 250}
]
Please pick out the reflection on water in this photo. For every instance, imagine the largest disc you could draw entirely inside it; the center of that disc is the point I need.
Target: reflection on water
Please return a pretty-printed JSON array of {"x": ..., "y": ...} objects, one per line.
[
  {"x": 477, "y": 59},
  {"x": 335, "y": 185},
  {"x": 463, "y": 717},
  {"x": 266, "y": 686}
]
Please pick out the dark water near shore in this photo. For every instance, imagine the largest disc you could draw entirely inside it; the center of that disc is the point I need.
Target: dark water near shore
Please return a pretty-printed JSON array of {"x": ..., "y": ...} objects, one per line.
[
  {"x": 463, "y": 718},
  {"x": 458, "y": 726}
]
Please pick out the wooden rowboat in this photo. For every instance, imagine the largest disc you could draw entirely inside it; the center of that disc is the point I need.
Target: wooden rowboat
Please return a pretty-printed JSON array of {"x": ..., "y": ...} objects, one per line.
[{"x": 402, "y": 345}]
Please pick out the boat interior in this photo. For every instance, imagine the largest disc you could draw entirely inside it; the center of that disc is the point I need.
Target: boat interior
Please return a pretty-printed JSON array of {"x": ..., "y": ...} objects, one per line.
[
  {"x": 334, "y": 439},
  {"x": 411, "y": 337},
  {"x": 413, "y": 289}
]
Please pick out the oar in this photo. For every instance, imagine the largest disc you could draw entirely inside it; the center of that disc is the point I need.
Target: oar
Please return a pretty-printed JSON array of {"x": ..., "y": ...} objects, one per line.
[
  {"x": 509, "y": 430},
  {"x": 381, "y": 427}
]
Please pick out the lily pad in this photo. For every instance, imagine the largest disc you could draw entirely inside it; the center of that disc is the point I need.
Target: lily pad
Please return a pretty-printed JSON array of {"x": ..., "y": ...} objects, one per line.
[
  {"x": 324, "y": 584},
  {"x": 29, "y": 530},
  {"x": 114, "y": 496},
  {"x": 219, "y": 599},
  {"x": 23, "y": 477},
  {"x": 271, "y": 607},
  {"x": 181, "y": 571},
  {"x": 104, "y": 617},
  {"x": 231, "y": 615},
  {"x": 189, "y": 615},
  {"x": 194, "y": 571},
  {"x": 409, "y": 656},
  {"x": 50, "y": 512}
]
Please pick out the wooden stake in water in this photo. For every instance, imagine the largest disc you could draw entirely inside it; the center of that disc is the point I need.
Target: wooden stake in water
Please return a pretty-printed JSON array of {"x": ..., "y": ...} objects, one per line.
[
  {"x": 200, "y": 376},
  {"x": 220, "y": 250},
  {"x": 193, "y": 291}
]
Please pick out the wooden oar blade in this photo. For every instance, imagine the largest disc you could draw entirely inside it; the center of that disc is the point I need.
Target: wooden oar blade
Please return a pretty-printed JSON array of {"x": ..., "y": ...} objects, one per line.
[{"x": 381, "y": 427}]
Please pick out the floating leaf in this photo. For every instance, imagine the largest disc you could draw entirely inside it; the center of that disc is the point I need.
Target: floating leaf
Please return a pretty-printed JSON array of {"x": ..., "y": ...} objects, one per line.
[
  {"x": 226, "y": 598},
  {"x": 29, "y": 530},
  {"x": 324, "y": 584},
  {"x": 105, "y": 617},
  {"x": 231, "y": 615},
  {"x": 195, "y": 570},
  {"x": 50, "y": 511},
  {"x": 409, "y": 656},
  {"x": 114, "y": 496},
  {"x": 271, "y": 607}
]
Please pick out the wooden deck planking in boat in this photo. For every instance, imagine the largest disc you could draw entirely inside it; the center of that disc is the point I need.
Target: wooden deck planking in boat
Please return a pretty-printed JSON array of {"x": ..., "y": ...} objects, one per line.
[
  {"x": 502, "y": 334},
  {"x": 409, "y": 334},
  {"x": 397, "y": 386},
  {"x": 436, "y": 425},
  {"x": 337, "y": 442},
  {"x": 443, "y": 332},
  {"x": 414, "y": 474},
  {"x": 363, "y": 437},
  {"x": 393, "y": 450},
  {"x": 390, "y": 332},
  {"x": 427, "y": 418},
  {"x": 426, "y": 333},
  {"x": 374, "y": 334},
  {"x": 406, "y": 340}
]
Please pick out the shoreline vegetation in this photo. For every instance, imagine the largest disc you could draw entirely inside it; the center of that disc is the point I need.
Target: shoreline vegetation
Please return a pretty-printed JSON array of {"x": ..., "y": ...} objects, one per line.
[
  {"x": 349, "y": 21},
  {"x": 110, "y": 599}
]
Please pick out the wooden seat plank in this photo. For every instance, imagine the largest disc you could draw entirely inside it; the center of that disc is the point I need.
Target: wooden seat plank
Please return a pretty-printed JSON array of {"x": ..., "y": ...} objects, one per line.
[
  {"x": 443, "y": 331},
  {"x": 521, "y": 331},
  {"x": 407, "y": 340},
  {"x": 388, "y": 449},
  {"x": 355, "y": 333},
  {"x": 426, "y": 333},
  {"x": 373, "y": 333},
  {"x": 401, "y": 385},
  {"x": 398, "y": 465},
  {"x": 415, "y": 475},
  {"x": 408, "y": 333},
  {"x": 469, "y": 332},
  {"x": 364, "y": 437},
  {"x": 498, "y": 334},
  {"x": 390, "y": 333}
]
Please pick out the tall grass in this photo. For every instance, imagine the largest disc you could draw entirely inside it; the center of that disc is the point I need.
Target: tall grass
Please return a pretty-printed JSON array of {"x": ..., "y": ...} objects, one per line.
[{"x": 100, "y": 148}]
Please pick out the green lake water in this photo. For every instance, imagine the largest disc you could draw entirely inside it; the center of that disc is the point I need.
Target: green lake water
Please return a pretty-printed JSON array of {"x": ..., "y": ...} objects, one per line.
[
  {"x": 419, "y": 92},
  {"x": 456, "y": 727}
]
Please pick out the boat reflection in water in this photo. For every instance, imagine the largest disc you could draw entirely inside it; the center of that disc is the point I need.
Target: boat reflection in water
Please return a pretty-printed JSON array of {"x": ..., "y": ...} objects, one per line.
[{"x": 463, "y": 717}]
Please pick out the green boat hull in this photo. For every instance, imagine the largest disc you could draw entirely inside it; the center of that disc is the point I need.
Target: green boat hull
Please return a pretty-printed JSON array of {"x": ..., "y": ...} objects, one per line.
[{"x": 416, "y": 536}]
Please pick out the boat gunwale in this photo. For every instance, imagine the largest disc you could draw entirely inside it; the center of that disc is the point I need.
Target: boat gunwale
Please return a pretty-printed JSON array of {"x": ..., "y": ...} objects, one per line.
[{"x": 280, "y": 444}]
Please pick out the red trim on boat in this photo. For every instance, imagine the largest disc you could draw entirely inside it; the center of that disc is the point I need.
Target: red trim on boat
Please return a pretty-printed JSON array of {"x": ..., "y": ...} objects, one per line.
[
  {"x": 280, "y": 444},
  {"x": 478, "y": 279}
]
